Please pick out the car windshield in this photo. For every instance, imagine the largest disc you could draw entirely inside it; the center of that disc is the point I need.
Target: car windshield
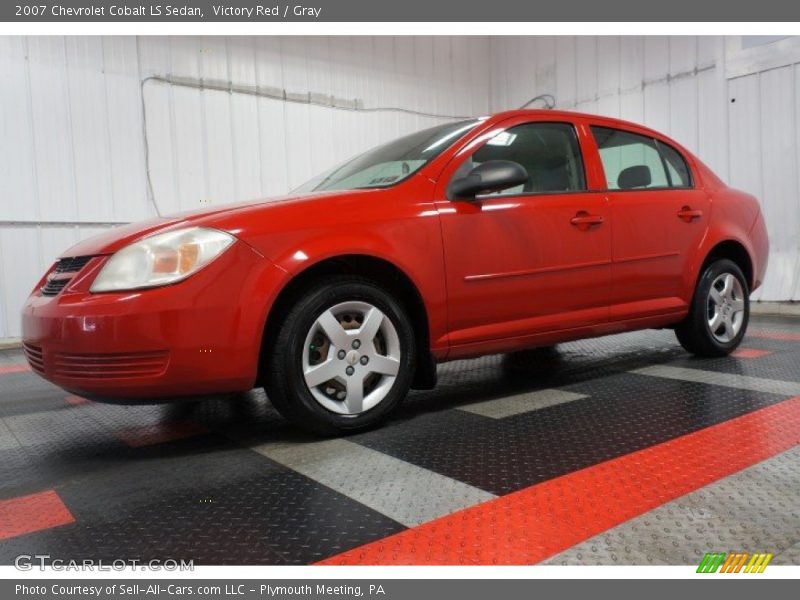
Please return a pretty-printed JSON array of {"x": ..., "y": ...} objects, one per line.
[{"x": 391, "y": 163}]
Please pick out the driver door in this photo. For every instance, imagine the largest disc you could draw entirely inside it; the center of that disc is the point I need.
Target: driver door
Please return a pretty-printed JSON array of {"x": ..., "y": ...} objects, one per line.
[{"x": 531, "y": 259}]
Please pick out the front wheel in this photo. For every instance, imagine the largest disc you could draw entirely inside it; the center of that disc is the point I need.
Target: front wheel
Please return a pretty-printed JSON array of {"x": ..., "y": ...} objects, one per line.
[
  {"x": 342, "y": 358},
  {"x": 719, "y": 313}
]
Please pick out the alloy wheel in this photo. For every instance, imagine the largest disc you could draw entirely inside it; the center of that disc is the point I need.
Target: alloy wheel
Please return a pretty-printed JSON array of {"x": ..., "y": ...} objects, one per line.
[
  {"x": 351, "y": 357},
  {"x": 726, "y": 307}
]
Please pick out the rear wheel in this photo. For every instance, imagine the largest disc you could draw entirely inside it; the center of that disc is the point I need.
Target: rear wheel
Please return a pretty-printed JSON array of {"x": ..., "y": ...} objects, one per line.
[
  {"x": 719, "y": 313},
  {"x": 343, "y": 357}
]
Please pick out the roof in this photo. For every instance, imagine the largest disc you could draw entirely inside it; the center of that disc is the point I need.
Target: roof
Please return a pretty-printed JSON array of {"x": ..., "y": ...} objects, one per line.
[{"x": 592, "y": 117}]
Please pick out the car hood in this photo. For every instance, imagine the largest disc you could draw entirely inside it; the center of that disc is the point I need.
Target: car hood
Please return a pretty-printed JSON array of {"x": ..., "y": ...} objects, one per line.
[{"x": 119, "y": 237}]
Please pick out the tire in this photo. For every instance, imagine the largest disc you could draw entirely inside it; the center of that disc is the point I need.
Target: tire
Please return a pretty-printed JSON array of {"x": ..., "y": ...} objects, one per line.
[
  {"x": 321, "y": 336},
  {"x": 718, "y": 316}
]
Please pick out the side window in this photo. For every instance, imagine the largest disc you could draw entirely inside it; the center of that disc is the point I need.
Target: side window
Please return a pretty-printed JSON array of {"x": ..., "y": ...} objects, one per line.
[
  {"x": 629, "y": 160},
  {"x": 548, "y": 151},
  {"x": 633, "y": 161}
]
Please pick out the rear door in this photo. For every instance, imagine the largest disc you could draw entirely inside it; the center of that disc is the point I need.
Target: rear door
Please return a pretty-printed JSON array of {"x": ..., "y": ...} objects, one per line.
[{"x": 659, "y": 219}]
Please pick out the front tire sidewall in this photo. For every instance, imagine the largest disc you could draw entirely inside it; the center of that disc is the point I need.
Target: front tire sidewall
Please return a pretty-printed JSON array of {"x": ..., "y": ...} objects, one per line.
[{"x": 306, "y": 411}]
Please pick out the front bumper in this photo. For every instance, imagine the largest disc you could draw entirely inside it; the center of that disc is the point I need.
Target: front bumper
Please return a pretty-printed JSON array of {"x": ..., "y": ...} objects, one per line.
[{"x": 201, "y": 336}]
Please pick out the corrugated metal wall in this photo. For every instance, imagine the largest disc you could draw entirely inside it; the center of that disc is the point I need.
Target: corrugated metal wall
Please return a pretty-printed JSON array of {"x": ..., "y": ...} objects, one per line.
[
  {"x": 736, "y": 105},
  {"x": 74, "y": 112},
  {"x": 82, "y": 120}
]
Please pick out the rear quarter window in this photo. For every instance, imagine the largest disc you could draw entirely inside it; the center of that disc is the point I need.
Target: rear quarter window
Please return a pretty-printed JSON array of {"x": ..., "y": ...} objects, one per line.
[{"x": 677, "y": 169}]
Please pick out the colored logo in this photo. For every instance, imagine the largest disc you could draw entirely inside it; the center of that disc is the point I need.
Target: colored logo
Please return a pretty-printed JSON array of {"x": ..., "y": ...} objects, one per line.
[{"x": 734, "y": 562}]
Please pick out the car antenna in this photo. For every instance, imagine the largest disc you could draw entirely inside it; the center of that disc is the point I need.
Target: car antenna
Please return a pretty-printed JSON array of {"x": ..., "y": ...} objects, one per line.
[{"x": 548, "y": 99}]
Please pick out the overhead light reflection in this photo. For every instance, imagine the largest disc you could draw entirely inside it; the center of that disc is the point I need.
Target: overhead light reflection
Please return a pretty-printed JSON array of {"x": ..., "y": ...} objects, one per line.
[{"x": 505, "y": 206}]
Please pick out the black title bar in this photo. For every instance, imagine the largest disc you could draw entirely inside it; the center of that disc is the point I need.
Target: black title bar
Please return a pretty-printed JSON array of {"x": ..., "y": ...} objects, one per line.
[{"x": 391, "y": 11}]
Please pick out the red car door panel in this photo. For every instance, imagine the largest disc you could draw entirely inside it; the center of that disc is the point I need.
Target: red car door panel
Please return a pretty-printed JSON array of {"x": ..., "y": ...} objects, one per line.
[
  {"x": 656, "y": 235},
  {"x": 519, "y": 266}
]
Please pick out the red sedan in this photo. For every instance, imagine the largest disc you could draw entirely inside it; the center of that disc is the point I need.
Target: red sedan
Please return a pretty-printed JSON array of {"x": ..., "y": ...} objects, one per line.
[{"x": 524, "y": 229}]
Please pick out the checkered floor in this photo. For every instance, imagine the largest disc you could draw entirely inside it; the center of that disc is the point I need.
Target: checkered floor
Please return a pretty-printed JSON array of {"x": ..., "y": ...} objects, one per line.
[{"x": 620, "y": 450}]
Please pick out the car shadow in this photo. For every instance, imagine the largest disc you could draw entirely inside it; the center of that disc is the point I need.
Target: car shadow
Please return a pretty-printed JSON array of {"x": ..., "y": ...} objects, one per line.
[{"x": 250, "y": 419}]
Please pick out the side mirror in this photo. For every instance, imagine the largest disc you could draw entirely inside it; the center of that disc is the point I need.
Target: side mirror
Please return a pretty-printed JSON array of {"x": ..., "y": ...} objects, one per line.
[
  {"x": 634, "y": 177},
  {"x": 491, "y": 176}
]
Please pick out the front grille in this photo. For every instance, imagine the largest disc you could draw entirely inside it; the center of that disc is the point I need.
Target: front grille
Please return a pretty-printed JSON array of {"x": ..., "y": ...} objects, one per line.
[
  {"x": 110, "y": 366},
  {"x": 72, "y": 264},
  {"x": 35, "y": 357},
  {"x": 54, "y": 283},
  {"x": 53, "y": 286}
]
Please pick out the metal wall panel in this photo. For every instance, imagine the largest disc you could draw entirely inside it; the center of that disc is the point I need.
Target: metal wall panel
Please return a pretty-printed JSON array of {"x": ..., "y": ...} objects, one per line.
[
  {"x": 744, "y": 134},
  {"x": 87, "y": 123},
  {"x": 779, "y": 179},
  {"x": 54, "y": 149},
  {"x": 586, "y": 71},
  {"x": 17, "y": 164},
  {"x": 124, "y": 129},
  {"x": 566, "y": 79},
  {"x": 21, "y": 249},
  {"x": 712, "y": 108}
]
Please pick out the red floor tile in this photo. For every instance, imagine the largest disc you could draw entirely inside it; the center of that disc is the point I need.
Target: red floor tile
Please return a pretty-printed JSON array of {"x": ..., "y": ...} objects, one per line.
[
  {"x": 750, "y": 353},
  {"x": 76, "y": 400},
  {"x": 774, "y": 335},
  {"x": 160, "y": 433},
  {"x": 535, "y": 523},
  {"x": 6, "y": 369},
  {"x": 36, "y": 512}
]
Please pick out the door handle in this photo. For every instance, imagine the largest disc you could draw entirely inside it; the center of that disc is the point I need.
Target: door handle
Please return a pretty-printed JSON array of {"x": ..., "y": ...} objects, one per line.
[
  {"x": 688, "y": 214},
  {"x": 583, "y": 220}
]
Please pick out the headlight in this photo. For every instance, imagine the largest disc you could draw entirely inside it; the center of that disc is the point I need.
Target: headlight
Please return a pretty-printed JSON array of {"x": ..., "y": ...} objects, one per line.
[{"x": 161, "y": 259}]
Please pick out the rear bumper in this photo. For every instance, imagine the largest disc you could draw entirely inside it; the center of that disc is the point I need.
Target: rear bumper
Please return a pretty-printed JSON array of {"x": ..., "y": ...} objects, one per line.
[{"x": 201, "y": 336}]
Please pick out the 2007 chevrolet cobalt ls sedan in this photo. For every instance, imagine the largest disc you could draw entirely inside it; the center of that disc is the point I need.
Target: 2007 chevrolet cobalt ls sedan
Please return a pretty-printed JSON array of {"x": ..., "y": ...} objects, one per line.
[{"x": 524, "y": 229}]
